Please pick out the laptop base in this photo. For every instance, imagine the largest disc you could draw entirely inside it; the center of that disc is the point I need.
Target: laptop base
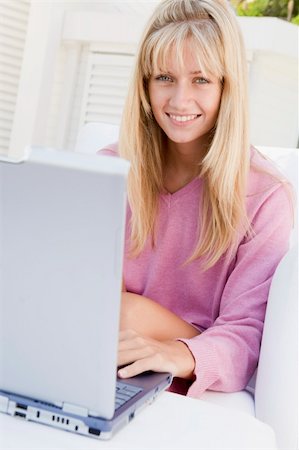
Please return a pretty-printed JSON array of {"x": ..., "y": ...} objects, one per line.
[{"x": 53, "y": 415}]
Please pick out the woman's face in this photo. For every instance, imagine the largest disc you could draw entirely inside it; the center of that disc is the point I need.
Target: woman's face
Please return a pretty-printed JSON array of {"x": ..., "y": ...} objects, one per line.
[{"x": 185, "y": 104}]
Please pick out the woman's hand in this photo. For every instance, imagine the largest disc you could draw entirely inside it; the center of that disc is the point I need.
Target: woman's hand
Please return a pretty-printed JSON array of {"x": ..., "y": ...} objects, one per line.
[
  {"x": 139, "y": 354},
  {"x": 148, "y": 339}
]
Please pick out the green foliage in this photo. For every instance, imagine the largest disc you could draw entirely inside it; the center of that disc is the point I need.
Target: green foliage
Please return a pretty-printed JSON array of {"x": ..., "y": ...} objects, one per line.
[
  {"x": 285, "y": 9},
  {"x": 255, "y": 8}
]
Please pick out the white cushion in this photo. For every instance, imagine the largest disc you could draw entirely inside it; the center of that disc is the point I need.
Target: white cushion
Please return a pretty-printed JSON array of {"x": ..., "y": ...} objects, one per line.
[
  {"x": 287, "y": 161},
  {"x": 242, "y": 401},
  {"x": 95, "y": 135}
]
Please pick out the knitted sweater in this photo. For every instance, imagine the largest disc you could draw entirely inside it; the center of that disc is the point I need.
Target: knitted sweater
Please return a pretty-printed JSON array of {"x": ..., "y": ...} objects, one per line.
[{"x": 228, "y": 301}]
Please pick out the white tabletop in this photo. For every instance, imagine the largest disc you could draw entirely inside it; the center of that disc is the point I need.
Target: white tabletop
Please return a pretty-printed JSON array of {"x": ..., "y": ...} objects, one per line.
[{"x": 172, "y": 422}]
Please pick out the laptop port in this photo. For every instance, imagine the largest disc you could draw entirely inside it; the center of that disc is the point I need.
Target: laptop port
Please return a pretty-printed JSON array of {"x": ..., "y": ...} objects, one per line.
[
  {"x": 131, "y": 416},
  {"x": 21, "y": 406},
  {"x": 94, "y": 431},
  {"x": 19, "y": 414}
]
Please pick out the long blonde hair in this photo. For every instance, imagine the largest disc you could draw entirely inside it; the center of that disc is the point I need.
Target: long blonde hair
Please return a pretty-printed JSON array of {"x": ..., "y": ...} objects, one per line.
[{"x": 218, "y": 46}]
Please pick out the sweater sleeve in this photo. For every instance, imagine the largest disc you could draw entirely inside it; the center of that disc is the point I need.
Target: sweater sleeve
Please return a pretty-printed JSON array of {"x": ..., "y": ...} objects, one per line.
[
  {"x": 109, "y": 150},
  {"x": 226, "y": 354}
]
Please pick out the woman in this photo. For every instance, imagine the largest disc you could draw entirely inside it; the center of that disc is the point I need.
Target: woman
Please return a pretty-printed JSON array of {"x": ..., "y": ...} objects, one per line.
[{"x": 208, "y": 218}]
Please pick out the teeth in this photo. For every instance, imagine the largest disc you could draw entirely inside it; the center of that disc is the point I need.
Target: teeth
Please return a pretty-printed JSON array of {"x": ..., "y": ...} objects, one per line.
[{"x": 183, "y": 118}]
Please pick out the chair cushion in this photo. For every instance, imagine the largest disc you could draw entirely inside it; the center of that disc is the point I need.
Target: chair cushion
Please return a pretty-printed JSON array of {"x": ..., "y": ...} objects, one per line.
[{"x": 242, "y": 401}]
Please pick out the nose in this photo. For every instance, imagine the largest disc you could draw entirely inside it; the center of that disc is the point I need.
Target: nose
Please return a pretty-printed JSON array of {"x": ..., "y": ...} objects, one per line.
[{"x": 181, "y": 96}]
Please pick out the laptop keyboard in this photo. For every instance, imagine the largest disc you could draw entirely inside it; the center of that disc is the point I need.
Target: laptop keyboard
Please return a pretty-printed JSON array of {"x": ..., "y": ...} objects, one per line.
[{"x": 124, "y": 393}]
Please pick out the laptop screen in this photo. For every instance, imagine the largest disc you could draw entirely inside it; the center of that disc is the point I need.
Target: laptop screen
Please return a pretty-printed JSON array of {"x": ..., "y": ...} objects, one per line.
[{"x": 61, "y": 247}]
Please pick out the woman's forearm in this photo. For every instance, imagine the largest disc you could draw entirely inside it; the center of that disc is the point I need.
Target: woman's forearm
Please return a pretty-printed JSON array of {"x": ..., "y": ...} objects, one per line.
[{"x": 148, "y": 318}]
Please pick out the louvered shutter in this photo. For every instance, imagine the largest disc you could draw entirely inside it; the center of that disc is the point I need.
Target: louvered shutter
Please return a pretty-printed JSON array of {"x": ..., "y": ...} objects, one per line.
[
  {"x": 13, "y": 27},
  {"x": 106, "y": 87}
]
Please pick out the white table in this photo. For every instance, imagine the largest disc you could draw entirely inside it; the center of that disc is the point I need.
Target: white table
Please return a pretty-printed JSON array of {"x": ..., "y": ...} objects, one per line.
[{"x": 172, "y": 422}]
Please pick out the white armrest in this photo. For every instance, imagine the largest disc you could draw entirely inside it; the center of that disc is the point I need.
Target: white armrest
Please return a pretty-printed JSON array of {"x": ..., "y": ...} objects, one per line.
[{"x": 276, "y": 391}]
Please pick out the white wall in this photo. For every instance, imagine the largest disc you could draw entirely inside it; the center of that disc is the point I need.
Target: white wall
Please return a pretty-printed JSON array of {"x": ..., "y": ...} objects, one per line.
[
  {"x": 273, "y": 80},
  {"x": 274, "y": 99}
]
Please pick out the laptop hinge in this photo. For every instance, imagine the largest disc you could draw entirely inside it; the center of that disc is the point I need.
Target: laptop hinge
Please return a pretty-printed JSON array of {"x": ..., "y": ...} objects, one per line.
[
  {"x": 4, "y": 401},
  {"x": 75, "y": 409}
]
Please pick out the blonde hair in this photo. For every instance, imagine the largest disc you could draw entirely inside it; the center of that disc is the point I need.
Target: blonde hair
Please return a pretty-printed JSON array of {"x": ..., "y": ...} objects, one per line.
[{"x": 218, "y": 46}]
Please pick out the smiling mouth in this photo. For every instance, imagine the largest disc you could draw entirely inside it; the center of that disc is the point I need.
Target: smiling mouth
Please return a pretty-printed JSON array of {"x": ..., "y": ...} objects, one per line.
[{"x": 186, "y": 118}]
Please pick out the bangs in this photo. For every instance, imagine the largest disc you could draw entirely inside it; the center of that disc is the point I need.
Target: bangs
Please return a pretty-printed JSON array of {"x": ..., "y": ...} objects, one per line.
[{"x": 202, "y": 37}]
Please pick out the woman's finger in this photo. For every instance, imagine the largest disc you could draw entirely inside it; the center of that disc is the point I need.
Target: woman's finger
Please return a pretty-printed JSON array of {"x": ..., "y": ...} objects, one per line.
[
  {"x": 128, "y": 356},
  {"x": 153, "y": 362}
]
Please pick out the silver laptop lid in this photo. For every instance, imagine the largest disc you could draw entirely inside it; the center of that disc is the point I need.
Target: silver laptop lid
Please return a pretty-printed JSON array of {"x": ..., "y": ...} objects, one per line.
[{"x": 62, "y": 218}]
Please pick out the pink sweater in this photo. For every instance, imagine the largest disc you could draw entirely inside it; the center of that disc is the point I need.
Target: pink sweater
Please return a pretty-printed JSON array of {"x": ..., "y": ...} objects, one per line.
[{"x": 228, "y": 301}]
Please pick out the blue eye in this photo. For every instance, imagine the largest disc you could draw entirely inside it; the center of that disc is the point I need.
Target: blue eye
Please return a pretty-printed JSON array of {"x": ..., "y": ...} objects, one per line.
[
  {"x": 201, "y": 80},
  {"x": 163, "y": 78}
]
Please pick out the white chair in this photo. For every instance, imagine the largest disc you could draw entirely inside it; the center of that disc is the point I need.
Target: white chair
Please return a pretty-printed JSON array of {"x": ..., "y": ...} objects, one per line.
[
  {"x": 95, "y": 135},
  {"x": 272, "y": 394}
]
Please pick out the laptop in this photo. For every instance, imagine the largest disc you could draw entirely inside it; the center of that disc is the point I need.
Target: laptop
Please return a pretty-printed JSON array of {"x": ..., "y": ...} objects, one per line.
[{"x": 62, "y": 220}]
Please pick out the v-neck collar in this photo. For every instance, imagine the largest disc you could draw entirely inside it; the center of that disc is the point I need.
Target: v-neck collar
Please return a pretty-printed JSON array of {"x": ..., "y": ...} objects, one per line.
[{"x": 182, "y": 191}]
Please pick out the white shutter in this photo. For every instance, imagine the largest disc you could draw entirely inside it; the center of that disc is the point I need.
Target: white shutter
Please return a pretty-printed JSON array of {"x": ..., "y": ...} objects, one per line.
[
  {"x": 106, "y": 87},
  {"x": 13, "y": 27},
  {"x": 59, "y": 89}
]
